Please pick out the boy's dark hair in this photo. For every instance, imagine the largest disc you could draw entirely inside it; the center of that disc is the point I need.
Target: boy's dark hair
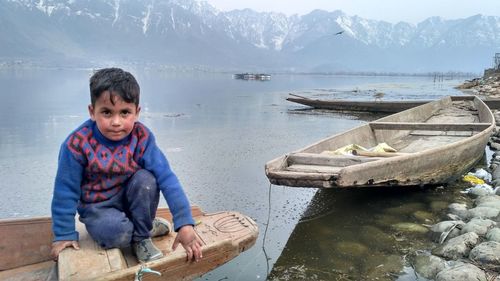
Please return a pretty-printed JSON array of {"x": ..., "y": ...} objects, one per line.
[{"x": 117, "y": 82}]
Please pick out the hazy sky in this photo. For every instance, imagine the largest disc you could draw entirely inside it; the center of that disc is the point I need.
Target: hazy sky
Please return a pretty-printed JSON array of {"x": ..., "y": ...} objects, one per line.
[{"x": 393, "y": 11}]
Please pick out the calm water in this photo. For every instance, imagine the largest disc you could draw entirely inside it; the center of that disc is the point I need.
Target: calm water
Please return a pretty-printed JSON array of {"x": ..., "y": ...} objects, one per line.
[{"x": 218, "y": 133}]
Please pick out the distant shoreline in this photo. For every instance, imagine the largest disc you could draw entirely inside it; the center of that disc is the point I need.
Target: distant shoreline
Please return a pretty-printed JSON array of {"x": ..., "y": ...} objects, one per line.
[{"x": 33, "y": 65}]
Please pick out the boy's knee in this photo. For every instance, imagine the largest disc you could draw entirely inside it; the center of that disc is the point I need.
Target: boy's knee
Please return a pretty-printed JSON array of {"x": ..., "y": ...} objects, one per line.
[
  {"x": 142, "y": 181},
  {"x": 112, "y": 233}
]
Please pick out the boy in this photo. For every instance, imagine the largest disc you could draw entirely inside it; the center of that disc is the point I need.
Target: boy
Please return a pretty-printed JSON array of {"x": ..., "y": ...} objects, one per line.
[{"x": 111, "y": 171}]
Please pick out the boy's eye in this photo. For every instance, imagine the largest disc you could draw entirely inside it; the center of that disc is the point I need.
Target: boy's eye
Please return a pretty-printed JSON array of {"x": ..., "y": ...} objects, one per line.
[
  {"x": 125, "y": 112},
  {"x": 106, "y": 112}
]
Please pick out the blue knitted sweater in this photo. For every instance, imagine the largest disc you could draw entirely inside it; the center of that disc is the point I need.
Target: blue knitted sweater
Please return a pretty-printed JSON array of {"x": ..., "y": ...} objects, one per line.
[{"x": 93, "y": 168}]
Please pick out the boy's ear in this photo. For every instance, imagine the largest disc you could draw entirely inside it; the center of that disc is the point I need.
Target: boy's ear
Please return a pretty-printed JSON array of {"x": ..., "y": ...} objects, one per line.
[
  {"x": 91, "y": 112},
  {"x": 138, "y": 111}
]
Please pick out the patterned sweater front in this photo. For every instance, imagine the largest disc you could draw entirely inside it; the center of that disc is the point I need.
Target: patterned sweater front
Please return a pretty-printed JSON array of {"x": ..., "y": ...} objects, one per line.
[{"x": 93, "y": 169}]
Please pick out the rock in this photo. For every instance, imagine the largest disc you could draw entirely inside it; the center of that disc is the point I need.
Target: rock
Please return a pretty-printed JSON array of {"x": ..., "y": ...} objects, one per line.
[
  {"x": 457, "y": 247},
  {"x": 493, "y": 234},
  {"x": 478, "y": 226},
  {"x": 495, "y": 146},
  {"x": 483, "y": 201},
  {"x": 461, "y": 272},
  {"x": 484, "y": 212},
  {"x": 453, "y": 227},
  {"x": 349, "y": 248},
  {"x": 491, "y": 203},
  {"x": 438, "y": 206},
  {"x": 423, "y": 216},
  {"x": 479, "y": 190},
  {"x": 410, "y": 227},
  {"x": 487, "y": 254},
  {"x": 459, "y": 209},
  {"x": 428, "y": 266}
]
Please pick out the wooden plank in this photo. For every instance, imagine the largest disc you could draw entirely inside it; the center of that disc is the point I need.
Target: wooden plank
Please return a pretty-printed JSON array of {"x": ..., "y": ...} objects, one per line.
[
  {"x": 40, "y": 271},
  {"x": 327, "y": 160},
  {"x": 429, "y": 126},
  {"x": 24, "y": 241},
  {"x": 90, "y": 262},
  {"x": 377, "y": 153},
  {"x": 313, "y": 169}
]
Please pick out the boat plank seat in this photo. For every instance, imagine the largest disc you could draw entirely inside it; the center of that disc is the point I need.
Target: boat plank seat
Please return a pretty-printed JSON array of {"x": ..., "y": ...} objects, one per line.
[
  {"x": 90, "y": 261},
  {"x": 325, "y": 159},
  {"x": 410, "y": 126},
  {"x": 313, "y": 169}
]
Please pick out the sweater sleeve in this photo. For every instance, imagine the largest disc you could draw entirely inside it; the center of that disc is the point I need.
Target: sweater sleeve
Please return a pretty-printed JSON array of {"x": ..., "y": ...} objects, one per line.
[
  {"x": 66, "y": 196},
  {"x": 156, "y": 162}
]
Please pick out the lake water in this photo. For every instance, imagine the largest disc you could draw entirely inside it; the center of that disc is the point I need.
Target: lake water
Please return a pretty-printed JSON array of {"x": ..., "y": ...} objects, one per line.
[{"x": 218, "y": 133}]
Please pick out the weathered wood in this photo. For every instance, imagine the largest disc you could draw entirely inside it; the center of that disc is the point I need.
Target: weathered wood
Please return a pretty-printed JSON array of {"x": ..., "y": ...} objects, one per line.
[
  {"x": 24, "y": 241},
  {"x": 442, "y": 139},
  {"x": 381, "y": 106},
  {"x": 377, "y": 153},
  {"x": 429, "y": 126},
  {"x": 90, "y": 256},
  {"x": 327, "y": 160},
  {"x": 313, "y": 169},
  {"x": 225, "y": 235}
]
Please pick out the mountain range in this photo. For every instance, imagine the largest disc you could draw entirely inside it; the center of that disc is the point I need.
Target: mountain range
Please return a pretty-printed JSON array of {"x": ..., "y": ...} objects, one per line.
[{"x": 194, "y": 33}]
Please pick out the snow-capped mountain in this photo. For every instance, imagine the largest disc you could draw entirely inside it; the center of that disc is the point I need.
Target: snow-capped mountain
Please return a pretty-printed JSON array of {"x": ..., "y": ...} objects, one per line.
[{"x": 194, "y": 32}]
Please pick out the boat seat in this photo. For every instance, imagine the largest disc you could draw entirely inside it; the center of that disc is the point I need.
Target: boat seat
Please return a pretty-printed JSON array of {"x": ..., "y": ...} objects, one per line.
[
  {"x": 75, "y": 264},
  {"x": 313, "y": 169},
  {"x": 327, "y": 159}
]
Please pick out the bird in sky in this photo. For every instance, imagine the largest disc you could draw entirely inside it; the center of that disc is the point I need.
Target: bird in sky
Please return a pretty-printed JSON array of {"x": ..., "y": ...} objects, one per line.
[{"x": 338, "y": 33}]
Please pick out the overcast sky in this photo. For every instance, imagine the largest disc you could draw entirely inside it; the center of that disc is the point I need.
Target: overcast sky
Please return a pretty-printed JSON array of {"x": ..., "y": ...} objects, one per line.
[{"x": 413, "y": 11}]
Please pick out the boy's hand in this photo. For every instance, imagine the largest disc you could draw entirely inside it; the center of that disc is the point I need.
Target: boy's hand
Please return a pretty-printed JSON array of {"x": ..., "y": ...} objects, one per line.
[
  {"x": 58, "y": 246},
  {"x": 190, "y": 241}
]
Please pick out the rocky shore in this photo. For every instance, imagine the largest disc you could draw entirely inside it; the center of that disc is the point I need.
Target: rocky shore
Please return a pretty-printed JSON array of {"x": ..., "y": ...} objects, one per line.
[
  {"x": 467, "y": 242},
  {"x": 485, "y": 87}
]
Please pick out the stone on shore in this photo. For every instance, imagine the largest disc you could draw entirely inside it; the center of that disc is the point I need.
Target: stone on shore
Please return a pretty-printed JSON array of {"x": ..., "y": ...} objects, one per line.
[
  {"x": 462, "y": 272},
  {"x": 459, "y": 210},
  {"x": 450, "y": 229},
  {"x": 484, "y": 212},
  {"x": 428, "y": 266},
  {"x": 493, "y": 234},
  {"x": 487, "y": 255},
  {"x": 457, "y": 247},
  {"x": 478, "y": 226}
]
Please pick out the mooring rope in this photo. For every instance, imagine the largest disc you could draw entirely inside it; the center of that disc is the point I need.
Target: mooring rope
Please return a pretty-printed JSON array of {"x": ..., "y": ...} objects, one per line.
[{"x": 267, "y": 226}]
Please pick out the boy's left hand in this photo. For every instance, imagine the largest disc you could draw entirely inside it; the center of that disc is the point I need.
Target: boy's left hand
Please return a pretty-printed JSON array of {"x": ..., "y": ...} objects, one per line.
[{"x": 190, "y": 241}]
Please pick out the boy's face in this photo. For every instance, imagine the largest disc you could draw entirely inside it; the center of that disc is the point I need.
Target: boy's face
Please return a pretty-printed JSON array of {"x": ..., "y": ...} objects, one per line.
[{"x": 115, "y": 121}]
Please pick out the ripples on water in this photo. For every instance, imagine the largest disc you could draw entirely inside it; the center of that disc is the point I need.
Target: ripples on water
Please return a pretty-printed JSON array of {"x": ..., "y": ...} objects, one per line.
[{"x": 218, "y": 133}]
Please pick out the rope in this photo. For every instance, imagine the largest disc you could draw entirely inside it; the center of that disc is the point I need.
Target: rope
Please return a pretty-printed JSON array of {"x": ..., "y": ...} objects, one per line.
[
  {"x": 265, "y": 231},
  {"x": 139, "y": 274}
]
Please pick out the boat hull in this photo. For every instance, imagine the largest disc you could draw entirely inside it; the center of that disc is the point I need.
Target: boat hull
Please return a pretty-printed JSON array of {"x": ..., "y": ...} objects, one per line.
[
  {"x": 224, "y": 235},
  {"x": 375, "y": 106}
]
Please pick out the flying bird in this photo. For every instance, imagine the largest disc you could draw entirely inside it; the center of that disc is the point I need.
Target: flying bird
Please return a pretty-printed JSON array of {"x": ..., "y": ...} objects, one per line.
[{"x": 338, "y": 33}]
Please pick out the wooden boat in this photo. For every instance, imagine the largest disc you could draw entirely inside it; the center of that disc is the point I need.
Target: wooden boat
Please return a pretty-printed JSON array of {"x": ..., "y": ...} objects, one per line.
[
  {"x": 434, "y": 142},
  {"x": 25, "y": 246},
  {"x": 373, "y": 106}
]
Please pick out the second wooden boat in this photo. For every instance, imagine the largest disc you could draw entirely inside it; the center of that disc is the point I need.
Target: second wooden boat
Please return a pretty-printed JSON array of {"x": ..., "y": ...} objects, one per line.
[
  {"x": 435, "y": 141},
  {"x": 381, "y": 106},
  {"x": 25, "y": 247}
]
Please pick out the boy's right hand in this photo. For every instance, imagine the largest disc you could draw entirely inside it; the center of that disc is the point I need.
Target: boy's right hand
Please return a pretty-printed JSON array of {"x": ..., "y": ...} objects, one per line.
[{"x": 58, "y": 246}]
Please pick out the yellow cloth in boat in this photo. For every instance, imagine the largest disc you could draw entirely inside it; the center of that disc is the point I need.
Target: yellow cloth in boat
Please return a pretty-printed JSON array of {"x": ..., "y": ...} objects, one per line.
[
  {"x": 473, "y": 179},
  {"x": 381, "y": 147}
]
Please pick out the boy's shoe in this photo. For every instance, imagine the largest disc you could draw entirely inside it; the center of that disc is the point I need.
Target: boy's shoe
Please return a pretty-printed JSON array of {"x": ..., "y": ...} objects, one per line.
[
  {"x": 146, "y": 251},
  {"x": 160, "y": 227}
]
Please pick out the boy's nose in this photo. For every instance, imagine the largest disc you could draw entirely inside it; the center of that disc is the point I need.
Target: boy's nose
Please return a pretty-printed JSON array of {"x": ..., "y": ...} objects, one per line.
[{"x": 115, "y": 121}]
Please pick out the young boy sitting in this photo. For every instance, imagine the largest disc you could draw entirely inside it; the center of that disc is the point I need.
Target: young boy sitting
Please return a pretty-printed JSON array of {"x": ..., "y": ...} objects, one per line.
[{"x": 111, "y": 171}]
